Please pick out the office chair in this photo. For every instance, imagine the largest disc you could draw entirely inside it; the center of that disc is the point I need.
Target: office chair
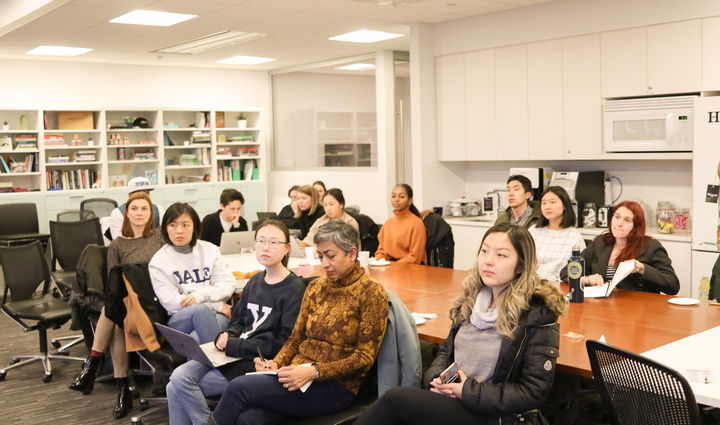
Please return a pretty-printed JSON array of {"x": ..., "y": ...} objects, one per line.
[
  {"x": 69, "y": 239},
  {"x": 19, "y": 225},
  {"x": 68, "y": 215},
  {"x": 637, "y": 390},
  {"x": 25, "y": 268},
  {"x": 97, "y": 207}
]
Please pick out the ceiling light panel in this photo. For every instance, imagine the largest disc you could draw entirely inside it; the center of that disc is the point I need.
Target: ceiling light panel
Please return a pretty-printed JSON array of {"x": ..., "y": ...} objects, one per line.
[
  {"x": 365, "y": 36},
  {"x": 58, "y": 51},
  {"x": 212, "y": 42},
  {"x": 152, "y": 18}
]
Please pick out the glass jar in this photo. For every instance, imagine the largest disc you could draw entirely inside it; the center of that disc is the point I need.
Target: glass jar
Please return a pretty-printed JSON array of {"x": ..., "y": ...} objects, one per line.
[
  {"x": 683, "y": 221},
  {"x": 665, "y": 216}
]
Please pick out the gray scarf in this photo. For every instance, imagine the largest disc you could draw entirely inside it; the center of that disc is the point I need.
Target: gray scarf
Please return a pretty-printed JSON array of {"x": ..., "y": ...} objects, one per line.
[{"x": 484, "y": 317}]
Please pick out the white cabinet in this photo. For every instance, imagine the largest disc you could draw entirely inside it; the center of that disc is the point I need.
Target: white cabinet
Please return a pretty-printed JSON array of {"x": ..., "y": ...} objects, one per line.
[
  {"x": 582, "y": 106},
  {"x": 710, "y": 57},
  {"x": 680, "y": 255},
  {"x": 467, "y": 242},
  {"x": 657, "y": 59},
  {"x": 545, "y": 99},
  {"x": 481, "y": 143},
  {"x": 511, "y": 88},
  {"x": 702, "y": 265},
  {"x": 451, "y": 111}
]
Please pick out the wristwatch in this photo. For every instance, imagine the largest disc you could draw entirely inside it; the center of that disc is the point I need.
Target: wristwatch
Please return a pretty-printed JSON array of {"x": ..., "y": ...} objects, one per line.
[{"x": 317, "y": 371}]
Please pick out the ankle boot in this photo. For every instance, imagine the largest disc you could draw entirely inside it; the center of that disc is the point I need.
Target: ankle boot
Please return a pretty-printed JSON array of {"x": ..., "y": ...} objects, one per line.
[
  {"x": 124, "y": 399},
  {"x": 85, "y": 380}
]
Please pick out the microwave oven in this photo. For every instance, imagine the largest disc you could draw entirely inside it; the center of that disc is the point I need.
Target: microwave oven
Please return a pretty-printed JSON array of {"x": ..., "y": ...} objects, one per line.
[{"x": 654, "y": 124}]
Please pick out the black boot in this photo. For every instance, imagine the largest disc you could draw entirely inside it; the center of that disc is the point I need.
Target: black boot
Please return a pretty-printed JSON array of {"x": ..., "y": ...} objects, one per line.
[
  {"x": 124, "y": 399},
  {"x": 86, "y": 378}
]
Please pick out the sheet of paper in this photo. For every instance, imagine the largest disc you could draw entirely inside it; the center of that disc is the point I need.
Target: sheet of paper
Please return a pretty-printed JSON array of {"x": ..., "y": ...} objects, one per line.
[
  {"x": 217, "y": 357},
  {"x": 272, "y": 372},
  {"x": 623, "y": 271}
]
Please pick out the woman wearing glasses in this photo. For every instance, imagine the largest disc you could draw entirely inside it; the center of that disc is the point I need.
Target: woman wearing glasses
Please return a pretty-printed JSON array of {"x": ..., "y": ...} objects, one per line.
[
  {"x": 189, "y": 278},
  {"x": 261, "y": 322}
]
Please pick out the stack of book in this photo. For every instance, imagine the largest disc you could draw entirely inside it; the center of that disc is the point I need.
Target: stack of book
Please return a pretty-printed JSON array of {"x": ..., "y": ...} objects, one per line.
[
  {"x": 26, "y": 141},
  {"x": 240, "y": 139},
  {"x": 224, "y": 152},
  {"x": 200, "y": 136},
  {"x": 247, "y": 151},
  {"x": 58, "y": 159},
  {"x": 54, "y": 139},
  {"x": 84, "y": 156},
  {"x": 6, "y": 187},
  {"x": 148, "y": 154}
]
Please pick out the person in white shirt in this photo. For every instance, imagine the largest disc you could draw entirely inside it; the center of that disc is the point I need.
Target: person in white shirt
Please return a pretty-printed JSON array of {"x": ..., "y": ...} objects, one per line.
[
  {"x": 138, "y": 184},
  {"x": 555, "y": 233},
  {"x": 189, "y": 278}
]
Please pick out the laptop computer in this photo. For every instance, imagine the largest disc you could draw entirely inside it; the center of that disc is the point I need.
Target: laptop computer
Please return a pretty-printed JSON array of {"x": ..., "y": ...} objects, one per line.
[
  {"x": 185, "y": 345},
  {"x": 295, "y": 250},
  {"x": 262, "y": 216},
  {"x": 234, "y": 242}
]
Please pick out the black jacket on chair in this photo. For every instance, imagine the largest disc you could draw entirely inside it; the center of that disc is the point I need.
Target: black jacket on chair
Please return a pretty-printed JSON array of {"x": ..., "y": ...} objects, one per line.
[
  {"x": 139, "y": 278},
  {"x": 440, "y": 245}
]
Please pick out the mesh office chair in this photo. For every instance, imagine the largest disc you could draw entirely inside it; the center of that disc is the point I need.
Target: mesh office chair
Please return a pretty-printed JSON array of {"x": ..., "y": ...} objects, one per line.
[
  {"x": 69, "y": 239},
  {"x": 19, "y": 225},
  {"x": 25, "y": 268},
  {"x": 68, "y": 215},
  {"x": 97, "y": 207},
  {"x": 639, "y": 391}
]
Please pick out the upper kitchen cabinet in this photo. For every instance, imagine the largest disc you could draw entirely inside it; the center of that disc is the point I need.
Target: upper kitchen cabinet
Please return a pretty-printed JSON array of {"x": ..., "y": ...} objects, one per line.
[
  {"x": 545, "y": 99},
  {"x": 451, "y": 111},
  {"x": 582, "y": 112},
  {"x": 481, "y": 141},
  {"x": 660, "y": 59},
  {"x": 710, "y": 57},
  {"x": 511, "y": 90}
]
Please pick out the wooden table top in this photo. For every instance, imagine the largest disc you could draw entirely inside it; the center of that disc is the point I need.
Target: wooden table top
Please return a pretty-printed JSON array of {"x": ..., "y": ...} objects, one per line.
[{"x": 635, "y": 321}]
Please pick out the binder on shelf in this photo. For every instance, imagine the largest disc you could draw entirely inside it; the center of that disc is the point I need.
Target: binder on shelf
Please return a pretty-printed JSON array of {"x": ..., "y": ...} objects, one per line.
[{"x": 248, "y": 172}]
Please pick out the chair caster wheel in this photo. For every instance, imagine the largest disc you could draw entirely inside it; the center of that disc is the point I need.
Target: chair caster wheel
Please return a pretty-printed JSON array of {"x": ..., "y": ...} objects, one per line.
[
  {"x": 144, "y": 405},
  {"x": 47, "y": 378},
  {"x": 2, "y": 376},
  {"x": 56, "y": 344}
]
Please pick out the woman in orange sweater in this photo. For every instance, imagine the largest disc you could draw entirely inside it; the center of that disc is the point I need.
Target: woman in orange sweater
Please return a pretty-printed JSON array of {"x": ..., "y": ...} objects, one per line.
[{"x": 402, "y": 238}]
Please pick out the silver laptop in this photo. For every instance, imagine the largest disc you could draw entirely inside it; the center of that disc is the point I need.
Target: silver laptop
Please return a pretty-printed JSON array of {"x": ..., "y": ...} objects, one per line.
[
  {"x": 234, "y": 242},
  {"x": 186, "y": 346},
  {"x": 295, "y": 250},
  {"x": 262, "y": 216}
]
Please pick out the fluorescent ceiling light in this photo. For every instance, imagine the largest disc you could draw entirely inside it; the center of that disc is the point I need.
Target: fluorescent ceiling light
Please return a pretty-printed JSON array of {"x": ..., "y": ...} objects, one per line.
[
  {"x": 57, "y": 51},
  {"x": 365, "y": 36},
  {"x": 151, "y": 17},
  {"x": 212, "y": 42},
  {"x": 357, "y": 67},
  {"x": 245, "y": 60}
]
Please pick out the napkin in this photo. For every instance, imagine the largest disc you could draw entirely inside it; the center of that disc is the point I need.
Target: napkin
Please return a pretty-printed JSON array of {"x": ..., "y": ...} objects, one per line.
[{"x": 425, "y": 315}]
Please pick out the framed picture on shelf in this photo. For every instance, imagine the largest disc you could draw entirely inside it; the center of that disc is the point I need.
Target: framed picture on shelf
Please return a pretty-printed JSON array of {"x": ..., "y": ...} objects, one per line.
[
  {"x": 118, "y": 180},
  {"x": 152, "y": 176},
  {"x": 219, "y": 119}
]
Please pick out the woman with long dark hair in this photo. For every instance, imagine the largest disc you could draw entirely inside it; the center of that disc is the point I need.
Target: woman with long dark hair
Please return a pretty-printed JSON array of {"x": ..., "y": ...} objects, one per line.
[
  {"x": 627, "y": 241},
  {"x": 402, "y": 237}
]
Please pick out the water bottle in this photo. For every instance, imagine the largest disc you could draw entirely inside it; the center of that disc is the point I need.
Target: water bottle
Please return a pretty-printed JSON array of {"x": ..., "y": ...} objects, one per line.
[
  {"x": 575, "y": 269},
  {"x": 704, "y": 291}
]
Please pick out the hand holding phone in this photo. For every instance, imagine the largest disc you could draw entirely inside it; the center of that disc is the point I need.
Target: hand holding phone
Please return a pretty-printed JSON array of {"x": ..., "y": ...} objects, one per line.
[{"x": 450, "y": 374}]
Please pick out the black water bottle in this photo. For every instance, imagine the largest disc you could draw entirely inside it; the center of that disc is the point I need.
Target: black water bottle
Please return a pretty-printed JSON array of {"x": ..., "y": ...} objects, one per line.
[{"x": 575, "y": 269}]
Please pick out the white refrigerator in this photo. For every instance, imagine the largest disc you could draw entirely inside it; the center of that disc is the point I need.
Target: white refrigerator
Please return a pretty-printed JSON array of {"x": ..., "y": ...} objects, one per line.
[{"x": 706, "y": 157}]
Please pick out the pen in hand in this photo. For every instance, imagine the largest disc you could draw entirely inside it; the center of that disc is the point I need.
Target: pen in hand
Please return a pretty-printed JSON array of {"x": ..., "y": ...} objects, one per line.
[{"x": 262, "y": 359}]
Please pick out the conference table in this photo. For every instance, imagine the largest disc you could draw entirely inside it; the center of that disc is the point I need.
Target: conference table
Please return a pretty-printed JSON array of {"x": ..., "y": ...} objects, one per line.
[{"x": 633, "y": 320}]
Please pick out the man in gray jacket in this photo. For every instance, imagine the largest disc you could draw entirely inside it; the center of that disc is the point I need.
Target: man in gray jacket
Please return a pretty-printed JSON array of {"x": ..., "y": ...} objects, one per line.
[{"x": 521, "y": 211}]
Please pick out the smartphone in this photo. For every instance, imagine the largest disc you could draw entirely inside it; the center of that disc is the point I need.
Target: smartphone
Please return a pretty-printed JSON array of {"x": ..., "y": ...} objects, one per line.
[{"x": 450, "y": 374}]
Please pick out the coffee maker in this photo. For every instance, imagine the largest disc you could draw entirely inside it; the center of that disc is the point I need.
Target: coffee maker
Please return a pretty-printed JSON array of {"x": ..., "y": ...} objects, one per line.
[{"x": 583, "y": 187}]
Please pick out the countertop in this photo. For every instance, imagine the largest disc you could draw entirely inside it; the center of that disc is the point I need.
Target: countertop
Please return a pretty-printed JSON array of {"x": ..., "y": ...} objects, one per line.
[{"x": 588, "y": 232}]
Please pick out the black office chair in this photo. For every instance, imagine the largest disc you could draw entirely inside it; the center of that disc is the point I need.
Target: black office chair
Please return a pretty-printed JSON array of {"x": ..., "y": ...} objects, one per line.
[
  {"x": 97, "y": 207},
  {"x": 68, "y": 215},
  {"x": 25, "y": 268},
  {"x": 69, "y": 239},
  {"x": 19, "y": 225},
  {"x": 639, "y": 391}
]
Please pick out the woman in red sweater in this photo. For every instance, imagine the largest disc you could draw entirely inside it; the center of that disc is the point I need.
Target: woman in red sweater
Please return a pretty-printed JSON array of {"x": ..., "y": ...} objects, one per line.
[{"x": 402, "y": 238}]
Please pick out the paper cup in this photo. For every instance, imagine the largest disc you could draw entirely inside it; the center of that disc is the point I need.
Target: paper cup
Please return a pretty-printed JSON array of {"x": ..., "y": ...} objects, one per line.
[
  {"x": 309, "y": 253},
  {"x": 364, "y": 257}
]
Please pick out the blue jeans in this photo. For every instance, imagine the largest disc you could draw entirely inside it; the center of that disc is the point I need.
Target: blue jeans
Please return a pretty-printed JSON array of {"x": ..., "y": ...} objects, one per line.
[
  {"x": 262, "y": 400},
  {"x": 187, "y": 389},
  {"x": 200, "y": 321}
]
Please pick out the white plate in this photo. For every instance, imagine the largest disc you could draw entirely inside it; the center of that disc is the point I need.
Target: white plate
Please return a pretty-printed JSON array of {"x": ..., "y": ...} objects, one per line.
[
  {"x": 683, "y": 301},
  {"x": 379, "y": 262},
  {"x": 419, "y": 320}
]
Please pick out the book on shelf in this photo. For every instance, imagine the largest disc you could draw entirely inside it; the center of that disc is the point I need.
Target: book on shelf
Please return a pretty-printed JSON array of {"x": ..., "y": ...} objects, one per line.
[
  {"x": 224, "y": 152},
  {"x": 248, "y": 171},
  {"x": 6, "y": 144},
  {"x": 220, "y": 119},
  {"x": 84, "y": 156},
  {"x": 71, "y": 179},
  {"x": 26, "y": 141},
  {"x": 58, "y": 159},
  {"x": 6, "y": 187},
  {"x": 167, "y": 140},
  {"x": 240, "y": 139},
  {"x": 200, "y": 136},
  {"x": 146, "y": 155},
  {"x": 247, "y": 151},
  {"x": 4, "y": 165}
]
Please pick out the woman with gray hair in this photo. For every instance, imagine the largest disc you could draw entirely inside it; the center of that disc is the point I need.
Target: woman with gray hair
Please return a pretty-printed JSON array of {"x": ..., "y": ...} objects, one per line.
[{"x": 334, "y": 343}]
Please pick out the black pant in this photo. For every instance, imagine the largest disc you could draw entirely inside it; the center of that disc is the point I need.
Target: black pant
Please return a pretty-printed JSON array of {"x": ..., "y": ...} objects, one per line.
[{"x": 405, "y": 405}]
